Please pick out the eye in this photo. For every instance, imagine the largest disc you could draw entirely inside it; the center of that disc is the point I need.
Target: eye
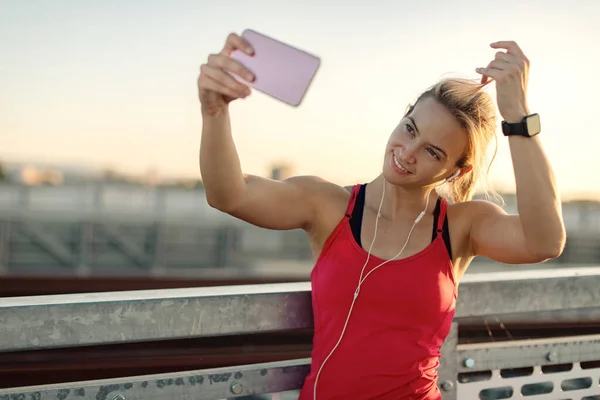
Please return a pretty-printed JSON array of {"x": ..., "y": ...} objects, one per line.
[
  {"x": 434, "y": 154},
  {"x": 410, "y": 129}
]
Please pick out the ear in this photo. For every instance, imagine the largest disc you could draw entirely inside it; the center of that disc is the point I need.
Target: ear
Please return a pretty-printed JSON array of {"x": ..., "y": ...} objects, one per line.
[
  {"x": 460, "y": 172},
  {"x": 454, "y": 175}
]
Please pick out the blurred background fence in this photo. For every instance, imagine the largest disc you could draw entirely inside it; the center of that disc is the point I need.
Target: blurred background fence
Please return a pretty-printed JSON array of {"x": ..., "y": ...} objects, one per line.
[{"x": 125, "y": 229}]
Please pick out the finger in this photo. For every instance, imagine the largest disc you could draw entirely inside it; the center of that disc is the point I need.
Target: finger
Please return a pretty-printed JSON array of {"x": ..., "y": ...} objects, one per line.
[
  {"x": 236, "y": 42},
  {"x": 210, "y": 84},
  {"x": 231, "y": 65},
  {"x": 510, "y": 58},
  {"x": 510, "y": 46},
  {"x": 226, "y": 80},
  {"x": 499, "y": 64},
  {"x": 488, "y": 73}
]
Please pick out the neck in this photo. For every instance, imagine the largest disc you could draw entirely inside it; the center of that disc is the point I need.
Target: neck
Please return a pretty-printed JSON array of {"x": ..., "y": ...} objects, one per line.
[{"x": 400, "y": 202}]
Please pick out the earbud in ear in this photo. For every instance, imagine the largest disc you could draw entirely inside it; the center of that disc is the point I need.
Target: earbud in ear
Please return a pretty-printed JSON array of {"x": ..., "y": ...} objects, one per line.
[{"x": 454, "y": 176}]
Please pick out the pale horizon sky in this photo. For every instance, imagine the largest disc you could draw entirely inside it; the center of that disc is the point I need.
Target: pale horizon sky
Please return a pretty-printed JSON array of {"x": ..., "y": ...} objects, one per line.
[{"x": 114, "y": 83}]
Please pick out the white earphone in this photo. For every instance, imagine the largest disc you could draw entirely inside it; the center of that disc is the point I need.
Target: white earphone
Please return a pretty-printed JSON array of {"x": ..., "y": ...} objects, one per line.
[
  {"x": 454, "y": 176},
  {"x": 361, "y": 279}
]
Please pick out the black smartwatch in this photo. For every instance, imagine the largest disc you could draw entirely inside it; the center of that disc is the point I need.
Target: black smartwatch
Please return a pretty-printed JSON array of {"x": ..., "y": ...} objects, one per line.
[{"x": 528, "y": 127}]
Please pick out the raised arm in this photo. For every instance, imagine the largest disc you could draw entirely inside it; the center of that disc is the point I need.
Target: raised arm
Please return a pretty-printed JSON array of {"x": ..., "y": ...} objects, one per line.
[
  {"x": 537, "y": 233},
  {"x": 287, "y": 204}
]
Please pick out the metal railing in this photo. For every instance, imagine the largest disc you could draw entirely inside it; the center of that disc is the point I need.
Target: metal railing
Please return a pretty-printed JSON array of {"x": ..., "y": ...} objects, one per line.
[{"x": 544, "y": 368}]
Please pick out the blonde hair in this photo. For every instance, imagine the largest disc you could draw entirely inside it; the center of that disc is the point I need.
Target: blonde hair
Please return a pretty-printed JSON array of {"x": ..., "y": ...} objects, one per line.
[{"x": 476, "y": 112}]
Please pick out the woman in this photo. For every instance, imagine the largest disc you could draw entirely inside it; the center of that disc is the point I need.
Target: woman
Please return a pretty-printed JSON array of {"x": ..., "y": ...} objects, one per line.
[{"x": 390, "y": 254}]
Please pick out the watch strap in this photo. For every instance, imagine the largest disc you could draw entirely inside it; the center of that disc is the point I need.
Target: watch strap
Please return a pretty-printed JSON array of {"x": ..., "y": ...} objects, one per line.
[
  {"x": 517, "y": 128},
  {"x": 528, "y": 127}
]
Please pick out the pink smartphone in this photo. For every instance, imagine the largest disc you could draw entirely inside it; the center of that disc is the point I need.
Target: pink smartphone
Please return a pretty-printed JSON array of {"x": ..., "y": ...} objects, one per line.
[{"x": 282, "y": 71}]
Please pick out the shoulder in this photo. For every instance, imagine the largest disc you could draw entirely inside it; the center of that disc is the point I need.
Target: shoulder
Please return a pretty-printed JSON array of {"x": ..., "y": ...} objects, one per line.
[
  {"x": 475, "y": 210},
  {"x": 330, "y": 202},
  {"x": 464, "y": 218},
  {"x": 318, "y": 188},
  {"x": 329, "y": 198},
  {"x": 469, "y": 211},
  {"x": 470, "y": 216}
]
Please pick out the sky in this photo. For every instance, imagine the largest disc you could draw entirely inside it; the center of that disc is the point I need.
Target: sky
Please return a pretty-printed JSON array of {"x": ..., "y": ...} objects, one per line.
[{"x": 113, "y": 83}]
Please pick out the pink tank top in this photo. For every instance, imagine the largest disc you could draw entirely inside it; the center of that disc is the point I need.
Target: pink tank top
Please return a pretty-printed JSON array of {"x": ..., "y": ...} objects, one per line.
[{"x": 400, "y": 320}]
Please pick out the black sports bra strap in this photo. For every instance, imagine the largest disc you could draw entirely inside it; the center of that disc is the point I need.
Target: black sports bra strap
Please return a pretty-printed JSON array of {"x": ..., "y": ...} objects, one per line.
[
  {"x": 352, "y": 201},
  {"x": 442, "y": 216},
  {"x": 356, "y": 208}
]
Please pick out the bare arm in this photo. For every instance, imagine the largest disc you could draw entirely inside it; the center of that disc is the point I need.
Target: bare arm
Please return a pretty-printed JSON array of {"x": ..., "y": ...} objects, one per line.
[
  {"x": 288, "y": 204},
  {"x": 538, "y": 232},
  {"x": 508, "y": 238}
]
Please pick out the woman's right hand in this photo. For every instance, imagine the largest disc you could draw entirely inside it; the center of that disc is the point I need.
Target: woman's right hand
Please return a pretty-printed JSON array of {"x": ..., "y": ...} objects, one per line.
[{"x": 216, "y": 87}]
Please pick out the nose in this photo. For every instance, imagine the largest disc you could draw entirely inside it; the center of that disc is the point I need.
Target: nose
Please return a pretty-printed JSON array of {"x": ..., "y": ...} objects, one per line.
[{"x": 408, "y": 153}]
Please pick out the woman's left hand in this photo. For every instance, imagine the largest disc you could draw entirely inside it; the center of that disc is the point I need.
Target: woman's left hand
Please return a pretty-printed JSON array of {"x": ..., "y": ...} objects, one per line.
[{"x": 510, "y": 70}]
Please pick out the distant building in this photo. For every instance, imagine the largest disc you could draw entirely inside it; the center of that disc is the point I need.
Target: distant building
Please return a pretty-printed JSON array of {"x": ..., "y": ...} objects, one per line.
[
  {"x": 32, "y": 176},
  {"x": 280, "y": 172}
]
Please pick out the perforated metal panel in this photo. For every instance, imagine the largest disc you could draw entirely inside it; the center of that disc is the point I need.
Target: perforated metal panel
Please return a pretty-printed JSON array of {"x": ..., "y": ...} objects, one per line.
[{"x": 566, "y": 382}]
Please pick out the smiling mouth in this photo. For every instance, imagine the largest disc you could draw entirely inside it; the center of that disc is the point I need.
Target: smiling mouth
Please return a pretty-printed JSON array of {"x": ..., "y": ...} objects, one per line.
[{"x": 398, "y": 165}]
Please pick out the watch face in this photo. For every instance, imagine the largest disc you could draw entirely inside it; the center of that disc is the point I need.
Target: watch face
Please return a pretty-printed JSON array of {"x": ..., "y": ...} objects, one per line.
[{"x": 533, "y": 125}]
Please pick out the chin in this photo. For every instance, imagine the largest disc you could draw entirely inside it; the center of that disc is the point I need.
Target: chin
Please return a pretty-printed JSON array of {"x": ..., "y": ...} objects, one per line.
[{"x": 394, "y": 178}]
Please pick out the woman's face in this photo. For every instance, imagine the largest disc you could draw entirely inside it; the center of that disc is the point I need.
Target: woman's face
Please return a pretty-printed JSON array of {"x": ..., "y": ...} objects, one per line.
[{"x": 425, "y": 147}]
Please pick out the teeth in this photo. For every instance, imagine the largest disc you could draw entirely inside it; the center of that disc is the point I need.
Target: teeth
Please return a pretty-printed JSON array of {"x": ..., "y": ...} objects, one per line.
[{"x": 399, "y": 165}]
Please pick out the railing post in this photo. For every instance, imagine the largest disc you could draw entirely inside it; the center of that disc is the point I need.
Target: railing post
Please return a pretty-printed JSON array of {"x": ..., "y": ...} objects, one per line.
[
  {"x": 160, "y": 201},
  {"x": 24, "y": 197},
  {"x": 4, "y": 246},
  {"x": 157, "y": 257},
  {"x": 86, "y": 232},
  {"x": 224, "y": 248},
  {"x": 157, "y": 263},
  {"x": 98, "y": 204}
]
